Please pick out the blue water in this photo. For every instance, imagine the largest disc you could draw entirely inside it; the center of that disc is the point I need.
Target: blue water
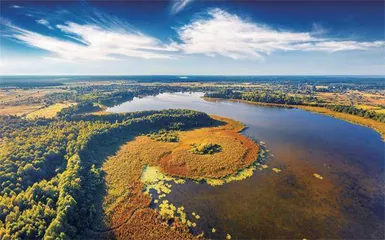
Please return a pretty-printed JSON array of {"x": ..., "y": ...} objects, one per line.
[{"x": 348, "y": 203}]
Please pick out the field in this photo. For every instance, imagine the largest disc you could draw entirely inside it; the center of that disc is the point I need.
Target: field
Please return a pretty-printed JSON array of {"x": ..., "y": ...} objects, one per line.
[
  {"x": 49, "y": 112},
  {"x": 126, "y": 208},
  {"x": 11, "y": 96},
  {"x": 353, "y": 97},
  {"x": 20, "y": 110}
]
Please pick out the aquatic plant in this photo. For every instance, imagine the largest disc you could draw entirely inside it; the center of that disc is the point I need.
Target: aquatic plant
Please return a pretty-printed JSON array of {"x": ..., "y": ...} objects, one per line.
[
  {"x": 318, "y": 176},
  {"x": 154, "y": 179}
]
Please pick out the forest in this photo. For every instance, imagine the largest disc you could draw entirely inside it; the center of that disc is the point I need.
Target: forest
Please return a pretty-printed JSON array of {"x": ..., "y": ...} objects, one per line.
[{"x": 49, "y": 171}]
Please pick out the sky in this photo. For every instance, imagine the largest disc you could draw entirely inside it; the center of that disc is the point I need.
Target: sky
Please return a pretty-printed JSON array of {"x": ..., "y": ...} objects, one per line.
[{"x": 191, "y": 37}]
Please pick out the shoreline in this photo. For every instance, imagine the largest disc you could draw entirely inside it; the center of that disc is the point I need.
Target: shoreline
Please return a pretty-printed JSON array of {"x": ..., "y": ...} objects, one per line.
[{"x": 372, "y": 124}]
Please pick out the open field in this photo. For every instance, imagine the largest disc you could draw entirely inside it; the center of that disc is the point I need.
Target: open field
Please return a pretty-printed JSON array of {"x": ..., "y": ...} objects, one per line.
[
  {"x": 11, "y": 96},
  {"x": 125, "y": 206},
  {"x": 352, "y": 97},
  {"x": 49, "y": 112},
  {"x": 20, "y": 110}
]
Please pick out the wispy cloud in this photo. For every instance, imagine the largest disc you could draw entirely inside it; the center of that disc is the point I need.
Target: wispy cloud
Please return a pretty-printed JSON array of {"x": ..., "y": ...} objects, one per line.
[
  {"x": 179, "y": 5},
  {"x": 44, "y": 22},
  {"x": 222, "y": 33},
  {"x": 98, "y": 36},
  {"x": 94, "y": 43}
]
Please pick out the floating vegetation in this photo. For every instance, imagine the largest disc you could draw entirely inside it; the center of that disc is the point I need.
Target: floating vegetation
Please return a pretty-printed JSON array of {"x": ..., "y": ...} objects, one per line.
[
  {"x": 206, "y": 148},
  {"x": 154, "y": 179},
  {"x": 167, "y": 210},
  {"x": 318, "y": 176},
  {"x": 277, "y": 170},
  {"x": 182, "y": 214},
  {"x": 240, "y": 175}
]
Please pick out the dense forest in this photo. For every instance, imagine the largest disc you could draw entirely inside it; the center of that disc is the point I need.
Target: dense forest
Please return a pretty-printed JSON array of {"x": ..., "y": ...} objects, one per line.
[{"x": 49, "y": 171}]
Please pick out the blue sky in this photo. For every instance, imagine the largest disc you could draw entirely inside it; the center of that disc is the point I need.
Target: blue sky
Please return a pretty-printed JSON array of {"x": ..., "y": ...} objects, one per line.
[{"x": 192, "y": 37}]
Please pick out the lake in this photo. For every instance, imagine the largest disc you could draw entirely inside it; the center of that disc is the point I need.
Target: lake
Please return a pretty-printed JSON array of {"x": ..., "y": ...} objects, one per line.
[{"x": 347, "y": 203}]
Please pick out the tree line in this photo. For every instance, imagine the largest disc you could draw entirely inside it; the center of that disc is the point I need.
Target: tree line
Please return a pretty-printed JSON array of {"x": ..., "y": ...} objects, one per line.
[
  {"x": 275, "y": 97},
  {"x": 50, "y": 172},
  {"x": 358, "y": 112}
]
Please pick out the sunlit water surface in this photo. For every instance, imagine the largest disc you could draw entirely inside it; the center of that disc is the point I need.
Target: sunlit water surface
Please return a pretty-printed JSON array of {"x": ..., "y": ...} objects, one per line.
[{"x": 348, "y": 203}]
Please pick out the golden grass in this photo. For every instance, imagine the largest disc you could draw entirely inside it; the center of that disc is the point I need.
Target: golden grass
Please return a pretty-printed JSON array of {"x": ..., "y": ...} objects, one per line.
[
  {"x": 123, "y": 176},
  {"x": 50, "y": 111},
  {"x": 18, "y": 110},
  {"x": 237, "y": 152}
]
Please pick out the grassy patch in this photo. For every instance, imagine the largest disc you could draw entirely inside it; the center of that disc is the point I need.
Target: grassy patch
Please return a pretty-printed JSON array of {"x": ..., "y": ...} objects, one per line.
[
  {"x": 206, "y": 148},
  {"x": 20, "y": 110},
  {"x": 49, "y": 112}
]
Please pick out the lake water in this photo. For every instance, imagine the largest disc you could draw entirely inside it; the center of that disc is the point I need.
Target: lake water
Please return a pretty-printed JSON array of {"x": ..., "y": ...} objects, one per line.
[{"x": 348, "y": 203}]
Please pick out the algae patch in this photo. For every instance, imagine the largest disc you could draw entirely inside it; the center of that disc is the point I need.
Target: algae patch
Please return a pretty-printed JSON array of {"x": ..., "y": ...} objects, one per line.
[
  {"x": 153, "y": 178},
  {"x": 318, "y": 176}
]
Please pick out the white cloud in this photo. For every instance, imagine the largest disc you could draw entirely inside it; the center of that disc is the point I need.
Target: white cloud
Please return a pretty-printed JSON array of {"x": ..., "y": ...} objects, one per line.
[
  {"x": 94, "y": 43},
  {"x": 178, "y": 5},
  {"x": 104, "y": 37},
  {"x": 225, "y": 34},
  {"x": 16, "y": 6},
  {"x": 44, "y": 22}
]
